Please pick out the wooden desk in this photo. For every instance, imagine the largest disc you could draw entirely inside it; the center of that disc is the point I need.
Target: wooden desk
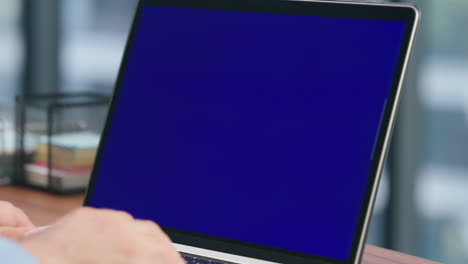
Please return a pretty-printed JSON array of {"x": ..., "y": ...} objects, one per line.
[{"x": 44, "y": 208}]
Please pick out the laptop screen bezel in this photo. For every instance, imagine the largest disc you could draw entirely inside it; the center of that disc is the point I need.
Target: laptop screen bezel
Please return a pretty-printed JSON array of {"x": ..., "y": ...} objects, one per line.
[{"x": 391, "y": 12}]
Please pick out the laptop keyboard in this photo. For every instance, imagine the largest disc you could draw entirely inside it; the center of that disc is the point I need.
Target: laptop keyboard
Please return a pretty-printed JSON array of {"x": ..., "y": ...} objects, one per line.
[{"x": 194, "y": 259}]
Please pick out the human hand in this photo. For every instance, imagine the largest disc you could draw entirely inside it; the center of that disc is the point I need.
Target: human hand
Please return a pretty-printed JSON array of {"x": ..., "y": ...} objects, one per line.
[
  {"x": 13, "y": 222},
  {"x": 102, "y": 236}
]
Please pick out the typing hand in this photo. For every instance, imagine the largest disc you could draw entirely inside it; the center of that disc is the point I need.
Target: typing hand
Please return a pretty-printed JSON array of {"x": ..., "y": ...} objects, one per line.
[{"x": 101, "y": 236}]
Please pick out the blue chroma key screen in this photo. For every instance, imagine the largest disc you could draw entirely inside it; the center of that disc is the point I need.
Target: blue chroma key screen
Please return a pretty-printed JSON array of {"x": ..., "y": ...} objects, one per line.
[{"x": 249, "y": 126}]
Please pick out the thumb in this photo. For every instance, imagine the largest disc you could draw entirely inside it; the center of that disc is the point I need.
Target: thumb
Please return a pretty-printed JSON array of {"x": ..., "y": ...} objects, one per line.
[{"x": 15, "y": 233}]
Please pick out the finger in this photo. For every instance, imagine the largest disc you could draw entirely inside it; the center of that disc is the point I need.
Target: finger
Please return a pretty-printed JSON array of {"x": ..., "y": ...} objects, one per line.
[
  {"x": 181, "y": 260},
  {"x": 22, "y": 220},
  {"x": 160, "y": 242},
  {"x": 166, "y": 251},
  {"x": 15, "y": 233},
  {"x": 7, "y": 217},
  {"x": 12, "y": 216}
]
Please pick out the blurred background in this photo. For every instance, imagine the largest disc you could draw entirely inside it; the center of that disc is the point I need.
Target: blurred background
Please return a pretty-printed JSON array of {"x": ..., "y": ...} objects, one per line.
[{"x": 57, "y": 46}]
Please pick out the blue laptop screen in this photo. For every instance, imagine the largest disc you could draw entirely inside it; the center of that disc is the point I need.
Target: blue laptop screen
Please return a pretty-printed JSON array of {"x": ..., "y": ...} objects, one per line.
[{"x": 249, "y": 126}]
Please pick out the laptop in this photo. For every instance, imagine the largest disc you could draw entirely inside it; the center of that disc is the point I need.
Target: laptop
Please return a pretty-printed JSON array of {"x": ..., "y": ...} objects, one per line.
[{"x": 255, "y": 131}]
